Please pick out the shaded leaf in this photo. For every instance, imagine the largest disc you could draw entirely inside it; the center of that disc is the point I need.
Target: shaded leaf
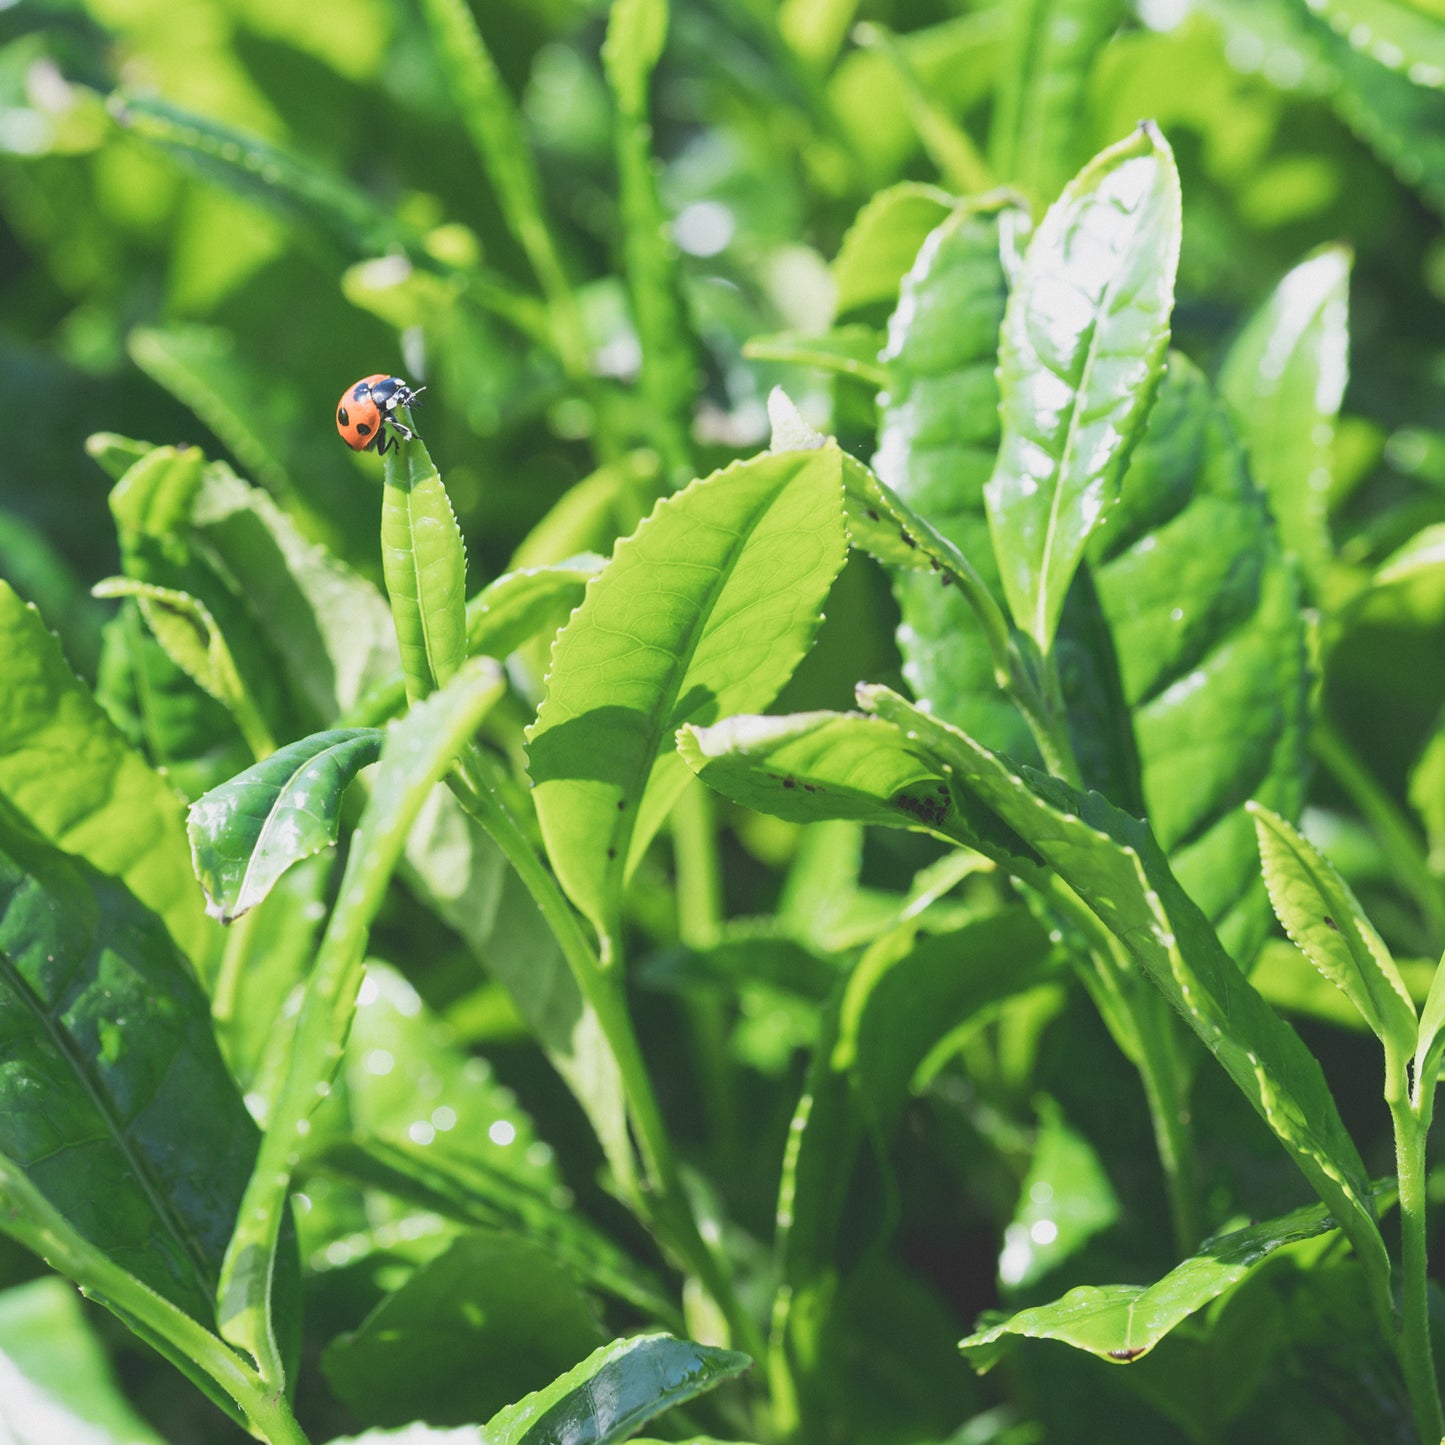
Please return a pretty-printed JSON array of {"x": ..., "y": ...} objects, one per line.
[
  {"x": 614, "y": 1392},
  {"x": 493, "y": 1315},
  {"x": 249, "y": 831},
  {"x": 1400, "y": 34},
  {"x": 1080, "y": 356},
  {"x": 116, "y": 1103},
  {"x": 1114, "y": 865},
  {"x": 523, "y": 604}
]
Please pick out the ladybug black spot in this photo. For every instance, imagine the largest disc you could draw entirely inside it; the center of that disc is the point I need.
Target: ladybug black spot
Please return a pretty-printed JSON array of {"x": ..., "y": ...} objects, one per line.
[
  {"x": 341, "y": 417},
  {"x": 363, "y": 429}
]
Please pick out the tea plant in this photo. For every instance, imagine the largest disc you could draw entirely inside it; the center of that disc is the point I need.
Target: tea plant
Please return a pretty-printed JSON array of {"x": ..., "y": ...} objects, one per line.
[{"x": 537, "y": 974}]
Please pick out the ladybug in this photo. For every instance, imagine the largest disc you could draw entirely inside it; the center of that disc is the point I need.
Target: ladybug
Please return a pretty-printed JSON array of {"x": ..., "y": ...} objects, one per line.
[{"x": 369, "y": 406}]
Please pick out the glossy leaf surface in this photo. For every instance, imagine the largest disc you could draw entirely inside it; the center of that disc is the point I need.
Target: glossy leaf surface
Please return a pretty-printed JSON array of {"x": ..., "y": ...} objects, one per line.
[
  {"x": 1284, "y": 379},
  {"x": 1081, "y": 353},
  {"x": 880, "y": 245},
  {"x": 703, "y": 611},
  {"x": 1206, "y": 624},
  {"x": 614, "y": 1392},
  {"x": 249, "y": 831},
  {"x": 116, "y": 1103}
]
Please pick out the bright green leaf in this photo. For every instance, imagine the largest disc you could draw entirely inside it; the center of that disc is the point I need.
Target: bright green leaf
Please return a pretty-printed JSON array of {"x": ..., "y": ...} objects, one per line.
[
  {"x": 1400, "y": 34},
  {"x": 1121, "y": 1323},
  {"x": 1081, "y": 354},
  {"x": 1324, "y": 920},
  {"x": 880, "y": 245},
  {"x": 425, "y": 565},
  {"x": 1284, "y": 378},
  {"x": 703, "y": 611},
  {"x": 64, "y": 765}
]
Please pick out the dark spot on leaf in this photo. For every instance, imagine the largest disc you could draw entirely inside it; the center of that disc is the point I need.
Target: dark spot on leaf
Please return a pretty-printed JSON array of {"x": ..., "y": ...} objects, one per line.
[
  {"x": 906, "y": 539},
  {"x": 611, "y": 854},
  {"x": 812, "y": 788},
  {"x": 928, "y": 811},
  {"x": 946, "y": 580},
  {"x": 872, "y": 515},
  {"x": 622, "y": 805},
  {"x": 1127, "y": 1355},
  {"x": 790, "y": 782},
  {"x": 1331, "y": 924}
]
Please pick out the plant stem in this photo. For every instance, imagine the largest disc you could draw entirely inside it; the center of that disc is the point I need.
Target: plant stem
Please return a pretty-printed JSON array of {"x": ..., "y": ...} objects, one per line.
[
  {"x": 1412, "y": 1124},
  {"x": 660, "y": 1200},
  {"x": 1396, "y": 835}
]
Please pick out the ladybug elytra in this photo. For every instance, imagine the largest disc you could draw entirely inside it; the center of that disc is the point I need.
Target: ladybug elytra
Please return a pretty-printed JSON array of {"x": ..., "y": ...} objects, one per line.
[{"x": 368, "y": 408}]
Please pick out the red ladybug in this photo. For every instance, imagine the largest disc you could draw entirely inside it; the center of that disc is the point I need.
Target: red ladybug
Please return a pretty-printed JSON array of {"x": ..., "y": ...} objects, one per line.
[{"x": 368, "y": 407}]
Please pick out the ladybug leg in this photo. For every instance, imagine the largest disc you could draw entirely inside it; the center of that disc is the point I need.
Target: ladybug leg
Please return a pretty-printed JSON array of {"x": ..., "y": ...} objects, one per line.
[{"x": 384, "y": 441}]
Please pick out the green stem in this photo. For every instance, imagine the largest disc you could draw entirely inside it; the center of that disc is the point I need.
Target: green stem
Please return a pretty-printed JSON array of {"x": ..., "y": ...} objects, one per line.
[
  {"x": 661, "y": 1200},
  {"x": 39, "y": 1226},
  {"x": 1412, "y": 1124},
  {"x": 1396, "y": 835}
]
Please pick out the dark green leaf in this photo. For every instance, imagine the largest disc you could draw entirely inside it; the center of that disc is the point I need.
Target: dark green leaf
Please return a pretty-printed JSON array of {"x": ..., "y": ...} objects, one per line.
[
  {"x": 1205, "y": 619},
  {"x": 493, "y": 1315},
  {"x": 116, "y": 1102},
  {"x": 1114, "y": 865},
  {"x": 614, "y": 1392},
  {"x": 249, "y": 831},
  {"x": 526, "y": 603}
]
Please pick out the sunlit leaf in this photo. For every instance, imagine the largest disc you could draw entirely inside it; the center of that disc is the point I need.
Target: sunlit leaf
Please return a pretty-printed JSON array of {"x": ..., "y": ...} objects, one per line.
[{"x": 1081, "y": 354}]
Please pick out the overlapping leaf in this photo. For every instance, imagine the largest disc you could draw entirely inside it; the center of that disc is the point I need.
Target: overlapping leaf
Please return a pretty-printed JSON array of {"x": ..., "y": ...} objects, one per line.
[{"x": 705, "y": 610}]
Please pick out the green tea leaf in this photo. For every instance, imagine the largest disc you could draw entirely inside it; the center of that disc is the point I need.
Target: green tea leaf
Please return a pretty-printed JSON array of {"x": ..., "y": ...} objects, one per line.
[
  {"x": 614, "y": 1392},
  {"x": 184, "y": 627},
  {"x": 1050, "y": 50},
  {"x": 116, "y": 1103},
  {"x": 1205, "y": 620},
  {"x": 880, "y": 245},
  {"x": 1081, "y": 354},
  {"x": 249, "y": 831},
  {"x": 1324, "y": 920},
  {"x": 493, "y": 1315},
  {"x": 1121, "y": 1323},
  {"x": 1284, "y": 379},
  {"x": 67, "y": 769},
  {"x": 844, "y": 351},
  {"x": 937, "y": 439},
  {"x": 1114, "y": 865},
  {"x": 703, "y": 611},
  {"x": 59, "y": 1384},
  {"x": 523, "y": 604},
  {"x": 425, "y": 565}
]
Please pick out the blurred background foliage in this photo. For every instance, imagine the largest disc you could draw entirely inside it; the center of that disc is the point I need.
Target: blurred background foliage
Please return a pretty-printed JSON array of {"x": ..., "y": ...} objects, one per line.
[{"x": 216, "y": 214}]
